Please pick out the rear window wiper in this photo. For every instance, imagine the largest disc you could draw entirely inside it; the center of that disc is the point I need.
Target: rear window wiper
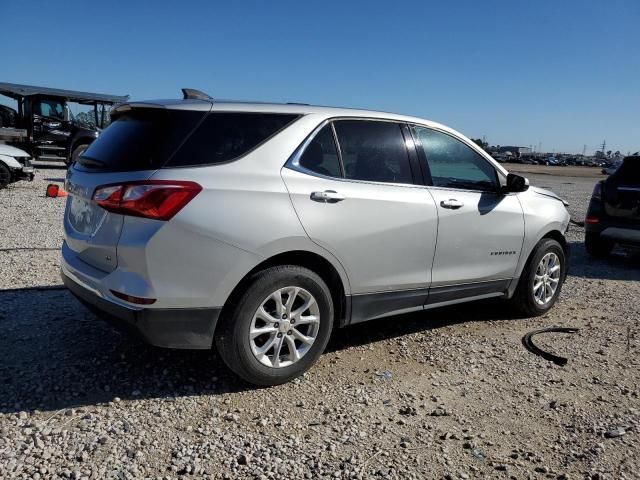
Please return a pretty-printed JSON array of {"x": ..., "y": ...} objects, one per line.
[{"x": 91, "y": 162}]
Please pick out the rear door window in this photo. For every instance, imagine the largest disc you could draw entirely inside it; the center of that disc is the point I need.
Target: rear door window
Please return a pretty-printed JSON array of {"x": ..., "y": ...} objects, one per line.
[
  {"x": 321, "y": 155},
  {"x": 373, "y": 151}
]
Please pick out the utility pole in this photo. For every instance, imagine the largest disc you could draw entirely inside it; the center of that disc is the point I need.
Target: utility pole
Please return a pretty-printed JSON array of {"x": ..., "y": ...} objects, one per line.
[
  {"x": 584, "y": 150},
  {"x": 604, "y": 146}
]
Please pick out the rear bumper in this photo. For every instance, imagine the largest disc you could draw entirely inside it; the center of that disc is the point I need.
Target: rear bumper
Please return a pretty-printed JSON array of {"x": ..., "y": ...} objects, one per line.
[
  {"x": 619, "y": 229},
  {"x": 622, "y": 235},
  {"x": 168, "y": 328}
]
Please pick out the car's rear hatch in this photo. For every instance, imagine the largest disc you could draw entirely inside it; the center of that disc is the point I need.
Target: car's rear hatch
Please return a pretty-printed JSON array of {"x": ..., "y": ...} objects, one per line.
[
  {"x": 622, "y": 192},
  {"x": 139, "y": 141}
]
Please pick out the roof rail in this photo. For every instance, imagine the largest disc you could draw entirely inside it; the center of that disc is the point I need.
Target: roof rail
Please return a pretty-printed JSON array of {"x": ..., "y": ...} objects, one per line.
[{"x": 193, "y": 94}]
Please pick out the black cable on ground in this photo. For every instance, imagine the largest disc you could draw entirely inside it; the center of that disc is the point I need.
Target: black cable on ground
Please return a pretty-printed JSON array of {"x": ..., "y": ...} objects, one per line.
[
  {"x": 529, "y": 345},
  {"x": 12, "y": 249}
]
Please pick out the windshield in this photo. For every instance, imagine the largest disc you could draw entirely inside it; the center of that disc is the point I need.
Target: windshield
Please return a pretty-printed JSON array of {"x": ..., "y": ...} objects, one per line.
[{"x": 49, "y": 108}]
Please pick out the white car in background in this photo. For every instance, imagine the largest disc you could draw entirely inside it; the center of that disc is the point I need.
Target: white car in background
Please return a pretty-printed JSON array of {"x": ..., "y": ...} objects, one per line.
[{"x": 15, "y": 164}]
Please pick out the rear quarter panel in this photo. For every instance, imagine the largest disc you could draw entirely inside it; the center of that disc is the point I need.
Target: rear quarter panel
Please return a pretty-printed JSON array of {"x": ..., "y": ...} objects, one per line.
[{"x": 242, "y": 217}]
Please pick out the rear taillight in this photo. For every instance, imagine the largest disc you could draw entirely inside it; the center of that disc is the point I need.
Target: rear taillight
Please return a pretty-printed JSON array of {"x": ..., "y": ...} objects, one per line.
[
  {"x": 597, "y": 191},
  {"x": 156, "y": 199}
]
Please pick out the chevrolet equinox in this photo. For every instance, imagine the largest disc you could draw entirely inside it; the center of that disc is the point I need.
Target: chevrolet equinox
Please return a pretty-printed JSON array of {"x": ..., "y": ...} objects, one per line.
[{"x": 258, "y": 228}]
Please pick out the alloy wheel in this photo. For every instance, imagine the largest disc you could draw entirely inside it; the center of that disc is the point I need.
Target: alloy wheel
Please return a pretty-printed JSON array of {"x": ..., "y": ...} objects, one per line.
[
  {"x": 547, "y": 278},
  {"x": 284, "y": 327}
]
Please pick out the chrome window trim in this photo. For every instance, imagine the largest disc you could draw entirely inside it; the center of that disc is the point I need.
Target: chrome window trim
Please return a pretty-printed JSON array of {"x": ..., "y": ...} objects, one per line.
[{"x": 451, "y": 189}]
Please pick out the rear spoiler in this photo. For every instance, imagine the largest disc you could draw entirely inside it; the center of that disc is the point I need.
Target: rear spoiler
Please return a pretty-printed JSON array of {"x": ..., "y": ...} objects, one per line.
[
  {"x": 122, "y": 108},
  {"x": 187, "y": 94}
]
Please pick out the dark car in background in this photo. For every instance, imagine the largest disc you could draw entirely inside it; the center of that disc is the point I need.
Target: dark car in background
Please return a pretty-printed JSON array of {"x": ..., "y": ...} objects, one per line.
[{"x": 614, "y": 211}]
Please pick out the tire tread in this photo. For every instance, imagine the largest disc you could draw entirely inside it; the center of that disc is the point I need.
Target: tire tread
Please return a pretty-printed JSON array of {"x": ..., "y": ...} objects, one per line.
[{"x": 228, "y": 341}]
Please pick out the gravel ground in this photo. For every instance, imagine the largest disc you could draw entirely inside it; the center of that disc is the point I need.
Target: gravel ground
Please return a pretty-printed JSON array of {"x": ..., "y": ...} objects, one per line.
[{"x": 447, "y": 393}]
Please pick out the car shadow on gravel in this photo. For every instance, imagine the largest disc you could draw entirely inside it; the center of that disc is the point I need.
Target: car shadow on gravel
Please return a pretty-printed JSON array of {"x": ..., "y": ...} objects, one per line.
[
  {"x": 56, "y": 355},
  {"x": 622, "y": 264}
]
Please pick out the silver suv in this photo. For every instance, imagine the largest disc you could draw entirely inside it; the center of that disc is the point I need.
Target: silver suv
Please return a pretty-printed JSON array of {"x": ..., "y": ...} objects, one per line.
[{"x": 261, "y": 227}]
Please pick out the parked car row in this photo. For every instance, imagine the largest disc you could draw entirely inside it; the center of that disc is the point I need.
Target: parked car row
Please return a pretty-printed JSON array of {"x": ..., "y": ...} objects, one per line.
[{"x": 558, "y": 161}]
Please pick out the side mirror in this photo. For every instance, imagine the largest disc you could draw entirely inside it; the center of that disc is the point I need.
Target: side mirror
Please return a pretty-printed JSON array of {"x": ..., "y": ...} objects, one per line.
[{"x": 515, "y": 183}]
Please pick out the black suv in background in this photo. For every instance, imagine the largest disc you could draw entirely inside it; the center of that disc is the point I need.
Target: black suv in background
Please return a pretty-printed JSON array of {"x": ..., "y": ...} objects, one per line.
[{"x": 614, "y": 211}]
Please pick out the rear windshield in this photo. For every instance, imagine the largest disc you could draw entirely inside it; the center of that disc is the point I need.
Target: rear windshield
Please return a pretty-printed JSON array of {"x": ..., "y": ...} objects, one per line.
[
  {"x": 629, "y": 171},
  {"x": 148, "y": 139}
]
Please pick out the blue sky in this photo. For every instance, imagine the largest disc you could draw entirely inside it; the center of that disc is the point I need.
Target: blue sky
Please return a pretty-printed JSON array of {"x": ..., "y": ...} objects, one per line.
[{"x": 564, "y": 72}]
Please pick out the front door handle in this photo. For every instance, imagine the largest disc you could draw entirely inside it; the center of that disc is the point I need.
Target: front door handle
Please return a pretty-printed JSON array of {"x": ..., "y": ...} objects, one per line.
[
  {"x": 452, "y": 203},
  {"x": 328, "y": 196}
]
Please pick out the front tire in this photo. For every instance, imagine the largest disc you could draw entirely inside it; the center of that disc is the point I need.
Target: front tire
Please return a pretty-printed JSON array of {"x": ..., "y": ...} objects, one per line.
[
  {"x": 278, "y": 327},
  {"x": 541, "y": 281},
  {"x": 597, "y": 246}
]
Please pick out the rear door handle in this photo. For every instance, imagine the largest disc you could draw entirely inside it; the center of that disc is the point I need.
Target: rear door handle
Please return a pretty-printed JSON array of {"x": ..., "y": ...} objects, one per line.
[
  {"x": 452, "y": 203},
  {"x": 328, "y": 196}
]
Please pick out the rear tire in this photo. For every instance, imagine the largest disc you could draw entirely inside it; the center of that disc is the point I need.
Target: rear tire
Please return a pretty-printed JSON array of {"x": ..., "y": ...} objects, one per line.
[
  {"x": 597, "y": 246},
  {"x": 5, "y": 175},
  {"x": 525, "y": 300},
  {"x": 241, "y": 351}
]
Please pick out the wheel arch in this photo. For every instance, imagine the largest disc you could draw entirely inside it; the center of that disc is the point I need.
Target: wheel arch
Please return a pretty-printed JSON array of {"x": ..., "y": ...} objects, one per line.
[
  {"x": 559, "y": 237},
  {"x": 307, "y": 259},
  {"x": 553, "y": 234}
]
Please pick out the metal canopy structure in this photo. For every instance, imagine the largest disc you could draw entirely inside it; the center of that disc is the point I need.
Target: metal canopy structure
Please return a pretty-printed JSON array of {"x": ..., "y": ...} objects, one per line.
[{"x": 17, "y": 92}]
